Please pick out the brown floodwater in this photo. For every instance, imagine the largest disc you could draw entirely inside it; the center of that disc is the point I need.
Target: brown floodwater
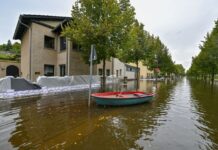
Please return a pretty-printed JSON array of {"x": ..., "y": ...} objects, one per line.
[{"x": 183, "y": 116}]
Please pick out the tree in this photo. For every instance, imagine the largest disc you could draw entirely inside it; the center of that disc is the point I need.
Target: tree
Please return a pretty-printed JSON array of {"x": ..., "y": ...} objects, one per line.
[
  {"x": 8, "y": 46},
  {"x": 179, "y": 70},
  {"x": 134, "y": 47},
  {"x": 158, "y": 56},
  {"x": 3, "y": 47},
  {"x": 206, "y": 63},
  {"x": 16, "y": 47},
  {"x": 104, "y": 23}
]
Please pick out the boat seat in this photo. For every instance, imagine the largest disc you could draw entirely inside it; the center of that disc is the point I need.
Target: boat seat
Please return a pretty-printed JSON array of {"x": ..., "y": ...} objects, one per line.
[
  {"x": 139, "y": 94},
  {"x": 120, "y": 95}
]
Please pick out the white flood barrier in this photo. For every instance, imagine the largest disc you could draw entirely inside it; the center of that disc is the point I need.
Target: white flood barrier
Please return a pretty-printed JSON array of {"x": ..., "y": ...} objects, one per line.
[
  {"x": 50, "y": 85},
  {"x": 5, "y": 84}
]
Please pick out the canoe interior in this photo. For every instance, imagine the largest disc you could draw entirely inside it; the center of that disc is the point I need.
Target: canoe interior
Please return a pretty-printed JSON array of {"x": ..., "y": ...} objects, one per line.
[
  {"x": 121, "y": 95},
  {"x": 121, "y": 99}
]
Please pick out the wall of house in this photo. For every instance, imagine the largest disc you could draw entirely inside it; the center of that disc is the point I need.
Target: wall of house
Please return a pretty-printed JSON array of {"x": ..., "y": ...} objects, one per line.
[
  {"x": 25, "y": 49},
  {"x": 144, "y": 71},
  {"x": 51, "y": 23},
  {"x": 40, "y": 54},
  {"x": 119, "y": 66},
  {"x": 77, "y": 66},
  {"x": 130, "y": 75},
  {"x": 4, "y": 64},
  {"x": 61, "y": 56},
  {"x": 61, "y": 60}
]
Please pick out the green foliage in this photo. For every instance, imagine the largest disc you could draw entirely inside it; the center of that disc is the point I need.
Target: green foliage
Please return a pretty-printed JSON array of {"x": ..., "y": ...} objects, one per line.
[
  {"x": 16, "y": 48},
  {"x": 10, "y": 51},
  {"x": 134, "y": 46},
  {"x": 206, "y": 63},
  {"x": 8, "y": 56},
  {"x": 179, "y": 70},
  {"x": 13, "y": 48},
  {"x": 8, "y": 46},
  {"x": 112, "y": 27},
  {"x": 104, "y": 23},
  {"x": 3, "y": 47},
  {"x": 157, "y": 56}
]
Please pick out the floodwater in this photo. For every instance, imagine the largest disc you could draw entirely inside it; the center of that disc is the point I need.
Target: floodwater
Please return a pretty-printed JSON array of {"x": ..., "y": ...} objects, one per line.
[{"x": 183, "y": 116}]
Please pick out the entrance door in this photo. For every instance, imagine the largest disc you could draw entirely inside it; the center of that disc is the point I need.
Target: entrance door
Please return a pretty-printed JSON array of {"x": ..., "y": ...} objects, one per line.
[{"x": 12, "y": 71}]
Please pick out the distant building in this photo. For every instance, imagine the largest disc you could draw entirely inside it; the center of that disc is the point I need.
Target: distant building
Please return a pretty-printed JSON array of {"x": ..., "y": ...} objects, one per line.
[{"x": 145, "y": 73}]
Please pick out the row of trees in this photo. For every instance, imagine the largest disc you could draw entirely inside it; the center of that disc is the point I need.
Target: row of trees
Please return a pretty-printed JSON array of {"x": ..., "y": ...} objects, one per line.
[
  {"x": 205, "y": 64},
  {"x": 111, "y": 25}
]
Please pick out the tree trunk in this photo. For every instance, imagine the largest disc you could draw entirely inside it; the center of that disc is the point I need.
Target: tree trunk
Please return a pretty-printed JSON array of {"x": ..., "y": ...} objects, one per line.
[
  {"x": 137, "y": 75},
  {"x": 212, "y": 76},
  {"x": 104, "y": 77}
]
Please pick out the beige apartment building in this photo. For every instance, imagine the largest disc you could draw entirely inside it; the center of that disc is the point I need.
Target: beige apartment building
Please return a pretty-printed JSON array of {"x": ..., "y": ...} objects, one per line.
[
  {"x": 129, "y": 70},
  {"x": 45, "y": 52},
  {"x": 144, "y": 71}
]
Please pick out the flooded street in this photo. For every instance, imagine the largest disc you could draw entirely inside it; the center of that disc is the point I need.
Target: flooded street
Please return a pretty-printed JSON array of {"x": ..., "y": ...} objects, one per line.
[{"x": 183, "y": 115}]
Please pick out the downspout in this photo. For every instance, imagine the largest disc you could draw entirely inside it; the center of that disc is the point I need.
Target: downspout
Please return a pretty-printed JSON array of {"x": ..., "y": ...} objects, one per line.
[
  {"x": 68, "y": 47},
  {"x": 30, "y": 47}
]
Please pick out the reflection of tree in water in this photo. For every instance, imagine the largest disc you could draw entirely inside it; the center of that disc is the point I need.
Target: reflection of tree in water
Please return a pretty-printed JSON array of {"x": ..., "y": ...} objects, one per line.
[{"x": 205, "y": 99}]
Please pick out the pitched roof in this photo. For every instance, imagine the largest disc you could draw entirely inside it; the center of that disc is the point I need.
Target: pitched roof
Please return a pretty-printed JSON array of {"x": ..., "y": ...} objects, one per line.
[
  {"x": 59, "y": 27},
  {"x": 27, "y": 19}
]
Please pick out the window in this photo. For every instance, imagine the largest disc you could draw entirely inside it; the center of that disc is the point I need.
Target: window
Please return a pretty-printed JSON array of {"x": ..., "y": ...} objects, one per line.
[
  {"x": 100, "y": 72},
  {"x": 49, "y": 42},
  {"x": 117, "y": 73},
  {"x": 49, "y": 70},
  {"x": 108, "y": 72},
  {"x": 129, "y": 68},
  {"x": 62, "y": 43},
  {"x": 120, "y": 72},
  {"x": 62, "y": 70}
]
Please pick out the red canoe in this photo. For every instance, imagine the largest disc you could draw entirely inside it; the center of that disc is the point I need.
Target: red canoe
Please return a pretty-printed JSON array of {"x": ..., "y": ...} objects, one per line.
[{"x": 122, "y": 98}]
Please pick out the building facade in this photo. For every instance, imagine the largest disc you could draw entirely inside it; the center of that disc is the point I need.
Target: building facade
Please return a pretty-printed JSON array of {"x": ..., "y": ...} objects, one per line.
[
  {"x": 145, "y": 73},
  {"x": 45, "y": 52}
]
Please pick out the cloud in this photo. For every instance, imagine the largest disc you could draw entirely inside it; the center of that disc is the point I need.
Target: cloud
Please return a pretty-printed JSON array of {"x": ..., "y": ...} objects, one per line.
[
  {"x": 180, "y": 24},
  {"x": 11, "y": 9}
]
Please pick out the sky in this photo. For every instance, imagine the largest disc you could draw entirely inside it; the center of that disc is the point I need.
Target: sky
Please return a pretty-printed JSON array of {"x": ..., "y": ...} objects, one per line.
[{"x": 180, "y": 24}]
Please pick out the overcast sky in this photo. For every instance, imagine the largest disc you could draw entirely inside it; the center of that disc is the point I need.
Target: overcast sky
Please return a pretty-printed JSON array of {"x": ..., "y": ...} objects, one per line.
[{"x": 180, "y": 24}]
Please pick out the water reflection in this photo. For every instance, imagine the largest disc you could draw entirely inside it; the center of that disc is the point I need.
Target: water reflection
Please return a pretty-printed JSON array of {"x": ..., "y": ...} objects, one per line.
[
  {"x": 205, "y": 99},
  {"x": 180, "y": 117}
]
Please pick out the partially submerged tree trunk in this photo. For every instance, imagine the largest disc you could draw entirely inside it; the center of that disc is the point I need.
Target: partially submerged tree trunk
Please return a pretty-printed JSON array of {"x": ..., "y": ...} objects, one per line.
[
  {"x": 104, "y": 77},
  {"x": 137, "y": 75},
  {"x": 212, "y": 76}
]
